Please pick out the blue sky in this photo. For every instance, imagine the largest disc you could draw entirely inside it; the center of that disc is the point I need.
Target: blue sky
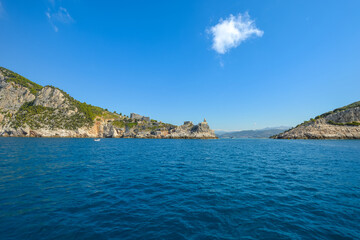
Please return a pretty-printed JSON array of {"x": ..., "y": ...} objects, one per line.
[{"x": 273, "y": 63}]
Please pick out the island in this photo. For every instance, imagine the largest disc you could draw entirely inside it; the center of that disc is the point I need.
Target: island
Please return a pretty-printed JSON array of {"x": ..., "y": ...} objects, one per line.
[
  {"x": 341, "y": 123},
  {"x": 28, "y": 109}
]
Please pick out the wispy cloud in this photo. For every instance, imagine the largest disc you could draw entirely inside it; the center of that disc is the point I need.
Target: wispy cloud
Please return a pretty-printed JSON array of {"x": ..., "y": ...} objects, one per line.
[
  {"x": 60, "y": 16},
  {"x": 232, "y": 31}
]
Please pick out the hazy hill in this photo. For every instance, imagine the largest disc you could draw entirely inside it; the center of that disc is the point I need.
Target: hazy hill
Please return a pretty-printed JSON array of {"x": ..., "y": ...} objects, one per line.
[{"x": 260, "y": 133}]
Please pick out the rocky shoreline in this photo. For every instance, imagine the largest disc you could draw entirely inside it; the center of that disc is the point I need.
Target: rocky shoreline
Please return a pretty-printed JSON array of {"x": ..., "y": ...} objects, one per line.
[{"x": 341, "y": 123}]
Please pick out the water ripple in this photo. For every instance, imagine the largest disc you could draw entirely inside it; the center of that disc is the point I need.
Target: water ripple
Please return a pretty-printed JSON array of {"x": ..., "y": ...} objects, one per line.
[{"x": 179, "y": 189}]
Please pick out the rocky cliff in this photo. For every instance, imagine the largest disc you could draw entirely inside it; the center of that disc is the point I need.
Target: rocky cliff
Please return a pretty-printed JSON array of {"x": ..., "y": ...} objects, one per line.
[
  {"x": 341, "y": 123},
  {"x": 30, "y": 110}
]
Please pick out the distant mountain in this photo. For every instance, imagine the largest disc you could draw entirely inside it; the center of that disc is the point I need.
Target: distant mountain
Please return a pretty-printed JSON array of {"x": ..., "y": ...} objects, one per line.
[
  {"x": 341, "y": 123},
  {"x": 220, "y": 132},
  {"x": 28, "y": 109},
  {"x": 260, "y": 133}
]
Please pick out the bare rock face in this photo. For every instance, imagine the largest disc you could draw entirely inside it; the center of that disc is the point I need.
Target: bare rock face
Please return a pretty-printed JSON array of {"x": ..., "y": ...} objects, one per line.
[
  {"x": 51, "y": 97},
  {"x": 339, "y": 124},
  {"x": 346, "y": 116},
  {"x": 13, "y": 96},
  {"x": 188, "y": 130},
  {"x": 109, "y": 131}
]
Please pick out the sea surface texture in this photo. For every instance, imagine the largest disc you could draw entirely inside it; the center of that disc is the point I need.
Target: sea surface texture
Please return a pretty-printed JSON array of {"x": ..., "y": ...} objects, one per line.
[{"x": 179, "y": 189}]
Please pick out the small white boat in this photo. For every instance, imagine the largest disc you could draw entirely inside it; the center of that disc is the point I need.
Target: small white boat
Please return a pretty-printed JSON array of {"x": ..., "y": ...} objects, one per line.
[{"x": 97, "y": 140}]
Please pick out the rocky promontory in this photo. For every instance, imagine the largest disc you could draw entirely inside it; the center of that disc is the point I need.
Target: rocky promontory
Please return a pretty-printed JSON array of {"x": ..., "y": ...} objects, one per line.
[
  {"x": 341, "y": 123},
  {"x": 29, "y": 110}
]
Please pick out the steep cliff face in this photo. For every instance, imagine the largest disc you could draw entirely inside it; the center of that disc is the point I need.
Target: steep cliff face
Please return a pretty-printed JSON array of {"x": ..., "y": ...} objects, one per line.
[
  {"x": 12, "y": 95},
  {"x": 52, "y": 98},
  {"x": 342, "y": 123},
  {"x": 30, "y": 110}
]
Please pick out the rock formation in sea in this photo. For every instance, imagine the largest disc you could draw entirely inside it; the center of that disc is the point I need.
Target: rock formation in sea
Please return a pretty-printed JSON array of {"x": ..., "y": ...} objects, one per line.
[
  {"x": 341, "y": 123},
  {"x": 30, "y": 110}
]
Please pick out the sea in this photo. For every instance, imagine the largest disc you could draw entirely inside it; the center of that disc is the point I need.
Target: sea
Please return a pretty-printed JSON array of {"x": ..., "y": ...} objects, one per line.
[{"x": 179, "y": 189}]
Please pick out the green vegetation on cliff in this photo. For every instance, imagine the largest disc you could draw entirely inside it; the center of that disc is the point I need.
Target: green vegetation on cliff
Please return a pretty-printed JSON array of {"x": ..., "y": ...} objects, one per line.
[
  {"x": 344, "y": 124},
  {"x": 90, "y": 112},
  {"x": 34, "y": 88},
  {"x": 124, "y": 123},
  {"x": 118, "y": 123},
  {"x": 39, "y": 117}
]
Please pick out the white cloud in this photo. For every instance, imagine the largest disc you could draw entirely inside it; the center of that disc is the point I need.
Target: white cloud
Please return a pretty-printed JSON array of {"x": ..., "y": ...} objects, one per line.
[
  {"x": 60, "y": 16},
  {"x": 232, "y": 31}
]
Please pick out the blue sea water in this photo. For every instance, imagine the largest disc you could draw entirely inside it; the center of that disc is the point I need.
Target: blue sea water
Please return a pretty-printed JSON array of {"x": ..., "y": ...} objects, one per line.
[{"x": 179, "y": 189}]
